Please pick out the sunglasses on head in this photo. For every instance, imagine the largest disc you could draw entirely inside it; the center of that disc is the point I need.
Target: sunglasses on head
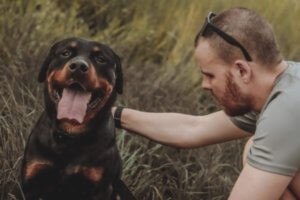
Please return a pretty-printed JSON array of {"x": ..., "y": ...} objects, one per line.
[{"x": 208, "y": 24}]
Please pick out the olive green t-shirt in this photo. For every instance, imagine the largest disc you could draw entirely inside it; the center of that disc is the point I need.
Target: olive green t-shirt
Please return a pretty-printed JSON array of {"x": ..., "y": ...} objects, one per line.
[{"x": 276, "y": 140}]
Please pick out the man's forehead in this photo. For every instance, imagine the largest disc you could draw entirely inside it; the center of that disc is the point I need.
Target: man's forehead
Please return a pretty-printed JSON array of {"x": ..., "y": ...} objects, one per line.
[
  {"x": 207, "y": 58},
  {"x": 204, "y": 48},
  {"x": 204, "y": 53}
]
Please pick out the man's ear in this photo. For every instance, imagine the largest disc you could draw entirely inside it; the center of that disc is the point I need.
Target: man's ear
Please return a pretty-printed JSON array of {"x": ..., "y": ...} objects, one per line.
[
  {"x": 119, "y": 74},
  {"x": 243, "y": 70},
  {"x": 44, "y": 68}
]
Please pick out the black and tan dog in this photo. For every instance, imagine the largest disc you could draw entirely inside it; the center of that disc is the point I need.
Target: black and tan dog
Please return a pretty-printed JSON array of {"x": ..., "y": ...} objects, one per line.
[{"x": 71, "y": 153}]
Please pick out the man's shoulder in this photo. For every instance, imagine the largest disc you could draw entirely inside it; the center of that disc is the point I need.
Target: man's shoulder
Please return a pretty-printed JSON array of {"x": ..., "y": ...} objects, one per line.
[
  {"x": 289, "y": 78},
  {"x": 284, "y": 98},
  {"x": 276, "y": 141},
  {"x": 284, "y": 101},
  {"x": 286, "y": 90}
]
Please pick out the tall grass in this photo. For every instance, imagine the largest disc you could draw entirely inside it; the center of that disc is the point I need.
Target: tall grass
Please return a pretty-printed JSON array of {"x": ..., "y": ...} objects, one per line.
[{"x": 155, "y": 41}]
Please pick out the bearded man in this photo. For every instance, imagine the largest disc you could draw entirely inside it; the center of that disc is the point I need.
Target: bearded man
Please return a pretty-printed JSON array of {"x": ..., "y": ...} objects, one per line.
[{"x": 243, "y": 68}]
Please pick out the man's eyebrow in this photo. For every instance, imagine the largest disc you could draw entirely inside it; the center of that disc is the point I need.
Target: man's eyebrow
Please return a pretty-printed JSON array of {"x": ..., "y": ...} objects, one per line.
[{"x": 206, "y": 73}]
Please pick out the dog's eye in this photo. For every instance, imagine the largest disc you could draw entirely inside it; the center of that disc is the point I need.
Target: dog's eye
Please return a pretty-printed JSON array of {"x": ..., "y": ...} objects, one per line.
[
  {"x": 100, "y": 59},
  {"x": 66, "y": 53}
]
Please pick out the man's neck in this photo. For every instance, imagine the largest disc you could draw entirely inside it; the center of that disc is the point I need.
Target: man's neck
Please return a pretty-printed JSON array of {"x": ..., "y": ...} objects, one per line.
[{"x": 265, "y": 84}]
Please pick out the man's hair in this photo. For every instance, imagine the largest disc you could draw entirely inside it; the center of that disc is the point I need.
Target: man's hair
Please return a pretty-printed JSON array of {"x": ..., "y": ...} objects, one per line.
[{"x": 251, "y": 30}]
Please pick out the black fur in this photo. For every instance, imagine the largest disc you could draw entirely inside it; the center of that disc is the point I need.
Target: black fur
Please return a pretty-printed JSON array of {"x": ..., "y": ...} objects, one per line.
[{"x": 58, "y": 165}]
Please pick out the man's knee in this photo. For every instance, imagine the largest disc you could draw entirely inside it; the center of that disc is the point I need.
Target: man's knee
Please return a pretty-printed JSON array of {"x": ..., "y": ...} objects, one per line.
[
  {"x": 295, "y": 185},
  {"x": 288, "y": 195}
]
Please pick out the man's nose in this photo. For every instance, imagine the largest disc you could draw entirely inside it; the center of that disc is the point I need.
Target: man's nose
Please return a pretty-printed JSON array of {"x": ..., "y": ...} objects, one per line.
[{"x": 205, "y": 84}]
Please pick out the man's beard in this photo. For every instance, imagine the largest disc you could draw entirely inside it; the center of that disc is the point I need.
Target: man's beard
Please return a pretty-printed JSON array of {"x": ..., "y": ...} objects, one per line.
[{"x": 232, "y": 100}]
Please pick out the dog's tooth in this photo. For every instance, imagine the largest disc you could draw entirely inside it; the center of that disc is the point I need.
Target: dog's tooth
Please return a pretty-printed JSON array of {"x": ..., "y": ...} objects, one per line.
[
  {"x": 57, "y": 95},
  {"x": 94, "y": 103}
]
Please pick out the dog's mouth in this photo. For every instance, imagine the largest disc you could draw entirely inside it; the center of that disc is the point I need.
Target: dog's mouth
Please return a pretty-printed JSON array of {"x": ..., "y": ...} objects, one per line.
[{"x": 74, "y": 101}]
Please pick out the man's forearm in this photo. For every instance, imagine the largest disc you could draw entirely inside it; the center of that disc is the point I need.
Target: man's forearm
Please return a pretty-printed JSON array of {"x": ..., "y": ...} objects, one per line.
[
  {"x": 181, "y": 130},
  {"x": 165, "y": 128}
]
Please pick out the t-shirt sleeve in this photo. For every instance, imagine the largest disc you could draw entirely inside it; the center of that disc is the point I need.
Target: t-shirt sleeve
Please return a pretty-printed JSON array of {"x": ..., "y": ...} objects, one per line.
[
  {"x": 246, "y": 122},
  {"x": 276, "y": 143}
]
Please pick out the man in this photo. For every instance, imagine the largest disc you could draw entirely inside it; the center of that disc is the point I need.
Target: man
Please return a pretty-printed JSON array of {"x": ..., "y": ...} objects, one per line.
[{"x": 260, "y": 94}]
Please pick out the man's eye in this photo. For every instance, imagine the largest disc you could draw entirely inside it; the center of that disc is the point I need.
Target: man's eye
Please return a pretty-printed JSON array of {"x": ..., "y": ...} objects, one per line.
[
  {"x": 210, "y": 76},
  {"x": 100, "y": 59},
  {"x": 66, "y": 53}
]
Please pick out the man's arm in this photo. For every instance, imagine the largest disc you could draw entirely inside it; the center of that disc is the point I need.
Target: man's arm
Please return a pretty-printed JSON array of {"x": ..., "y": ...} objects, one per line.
[
  {"x": 259, "y": 185},
  {"x": 180, "y": 130}
]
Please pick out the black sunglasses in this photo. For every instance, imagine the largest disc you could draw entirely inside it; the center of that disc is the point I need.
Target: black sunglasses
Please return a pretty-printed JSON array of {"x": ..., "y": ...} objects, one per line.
[{"x": 208, "y": 24}]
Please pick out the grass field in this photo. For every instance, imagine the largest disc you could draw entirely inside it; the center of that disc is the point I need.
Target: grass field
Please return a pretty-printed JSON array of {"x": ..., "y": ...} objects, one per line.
[{"x": 154, "y": 38}]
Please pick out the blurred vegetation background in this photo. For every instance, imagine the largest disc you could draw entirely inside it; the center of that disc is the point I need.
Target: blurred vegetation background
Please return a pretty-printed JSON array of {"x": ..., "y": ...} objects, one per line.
[{"x": 154, "y": 39}]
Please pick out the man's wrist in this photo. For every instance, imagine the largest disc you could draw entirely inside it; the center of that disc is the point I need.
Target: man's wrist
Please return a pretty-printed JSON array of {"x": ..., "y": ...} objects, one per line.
[{"x": 118, "y": 116}]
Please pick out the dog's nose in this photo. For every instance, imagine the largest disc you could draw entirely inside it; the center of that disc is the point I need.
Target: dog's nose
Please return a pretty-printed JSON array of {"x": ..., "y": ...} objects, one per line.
[{"x": 79, "y": 66}]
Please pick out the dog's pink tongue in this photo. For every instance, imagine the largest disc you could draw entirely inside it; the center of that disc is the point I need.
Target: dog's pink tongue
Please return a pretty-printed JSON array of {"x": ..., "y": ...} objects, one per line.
[{"x": 73, "y": 105}]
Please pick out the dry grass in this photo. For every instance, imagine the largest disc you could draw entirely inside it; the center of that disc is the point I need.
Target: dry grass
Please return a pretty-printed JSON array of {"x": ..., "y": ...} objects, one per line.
[{"x": 155, "y": 42}]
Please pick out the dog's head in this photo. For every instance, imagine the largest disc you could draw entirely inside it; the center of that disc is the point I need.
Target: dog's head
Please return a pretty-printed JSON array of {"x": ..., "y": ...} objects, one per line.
[{"x": 81, "y": 78}]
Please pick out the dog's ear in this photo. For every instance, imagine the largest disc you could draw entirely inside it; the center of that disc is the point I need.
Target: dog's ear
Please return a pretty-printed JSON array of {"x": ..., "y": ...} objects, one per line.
[
  {"x": 119, "y": 74},
  {"x": 43, "y": 71}
]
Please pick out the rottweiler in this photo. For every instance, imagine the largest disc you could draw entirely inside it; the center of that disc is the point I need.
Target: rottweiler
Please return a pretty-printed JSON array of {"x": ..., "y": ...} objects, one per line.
[{"x": 71, "y": 153}]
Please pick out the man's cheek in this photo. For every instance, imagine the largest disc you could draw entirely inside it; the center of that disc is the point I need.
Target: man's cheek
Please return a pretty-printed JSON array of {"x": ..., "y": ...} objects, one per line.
[{"x": 217, "y": 96}]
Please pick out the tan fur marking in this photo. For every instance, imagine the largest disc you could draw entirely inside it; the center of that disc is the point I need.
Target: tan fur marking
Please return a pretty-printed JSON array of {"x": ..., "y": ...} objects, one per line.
[
  {"x": 71, "y": 128},
  {"x": 92, "y": 74},
  {"x": 33, "y": 168},
  {"x": 50, "y": 76},
  {"x": 61, "y": 74},
  {"x": 94, "y": 174}
]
